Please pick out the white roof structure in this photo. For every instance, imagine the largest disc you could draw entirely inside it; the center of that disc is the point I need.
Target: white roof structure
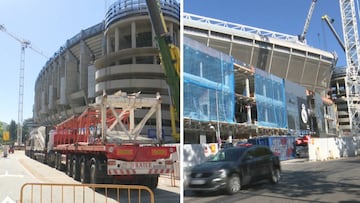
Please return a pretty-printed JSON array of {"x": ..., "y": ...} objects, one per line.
[{"x": 280, "y": 54}]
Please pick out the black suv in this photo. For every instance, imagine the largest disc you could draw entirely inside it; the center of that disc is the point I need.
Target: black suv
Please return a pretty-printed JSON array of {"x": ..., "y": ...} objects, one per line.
[{"x": 234, "y": 167}]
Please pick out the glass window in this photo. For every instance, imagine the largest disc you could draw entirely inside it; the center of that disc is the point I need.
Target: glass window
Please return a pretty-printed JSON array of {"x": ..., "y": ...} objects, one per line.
[{"x": 231, "y": 154}]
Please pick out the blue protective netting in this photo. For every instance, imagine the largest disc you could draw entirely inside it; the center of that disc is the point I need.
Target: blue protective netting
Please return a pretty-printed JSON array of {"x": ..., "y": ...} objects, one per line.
[
  {"x": 270, "y": 100},
  {"x": 208, "y": 83}
]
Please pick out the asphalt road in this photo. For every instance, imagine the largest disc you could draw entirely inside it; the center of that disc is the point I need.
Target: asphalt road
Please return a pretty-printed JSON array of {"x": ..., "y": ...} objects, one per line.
[
  {"x": 18, "y": 169},
  {"x": 301, "y": 181}
]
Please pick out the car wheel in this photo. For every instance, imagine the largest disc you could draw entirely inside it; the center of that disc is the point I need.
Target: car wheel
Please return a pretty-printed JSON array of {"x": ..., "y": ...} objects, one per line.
[
  {"x": 233, "y": 184},
  {"x": 275, "y": 175}
]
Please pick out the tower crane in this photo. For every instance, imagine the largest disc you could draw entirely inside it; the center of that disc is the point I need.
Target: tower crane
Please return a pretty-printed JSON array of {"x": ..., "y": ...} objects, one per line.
[
  {"x": 24, "y": 44},
  {"x": 307, "y": 21},
  {"x": 329, "y": 22},
  {"x": 352, "y": 52}
]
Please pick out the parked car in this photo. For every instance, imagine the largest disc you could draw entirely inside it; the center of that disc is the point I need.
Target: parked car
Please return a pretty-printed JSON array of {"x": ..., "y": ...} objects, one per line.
[
  {"x": 233, "y": 167},
  {"x": 226, "y": 145},
  {"x": 243, "y": 143}
]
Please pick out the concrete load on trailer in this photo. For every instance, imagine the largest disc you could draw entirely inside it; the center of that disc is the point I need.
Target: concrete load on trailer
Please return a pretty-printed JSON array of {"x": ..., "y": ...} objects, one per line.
[
  {"x": 106, "y": 143},
  {"x": 36, "y": 143}
]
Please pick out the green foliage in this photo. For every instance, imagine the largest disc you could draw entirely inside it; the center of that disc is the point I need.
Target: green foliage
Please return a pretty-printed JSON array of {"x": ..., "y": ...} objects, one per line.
[
  {"x": 1, "y": 128},
  {"x": 12, "y": 130}
]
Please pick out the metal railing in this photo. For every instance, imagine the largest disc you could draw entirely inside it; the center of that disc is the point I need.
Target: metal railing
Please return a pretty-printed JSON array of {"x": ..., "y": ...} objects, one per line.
[
  {"x": 126, "y": 8},
  {"x": 95, "y": 193},
  {"x": 211, "y": 22}
]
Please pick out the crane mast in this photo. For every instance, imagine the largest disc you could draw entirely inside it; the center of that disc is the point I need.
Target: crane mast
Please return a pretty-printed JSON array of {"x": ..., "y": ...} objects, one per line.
[
  {"x": 329, "y": 22},
  {"x": 352, "y": 51},
  {"x": 24, "y": 44},
  {"x": 170, "y": 59},
  {"x": 307, "y": 21}
]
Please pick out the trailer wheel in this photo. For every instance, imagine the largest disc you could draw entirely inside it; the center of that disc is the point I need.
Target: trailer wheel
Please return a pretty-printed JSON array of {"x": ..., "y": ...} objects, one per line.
[
  {"x": 57, "y": 161},
  {"x": 75, "y": 168},
  {"x": 152, "y": 182},
  {"x": 68, "y": 165},
  {"x": 94, "y": 172},
  {"x": 84, "y": 172}
]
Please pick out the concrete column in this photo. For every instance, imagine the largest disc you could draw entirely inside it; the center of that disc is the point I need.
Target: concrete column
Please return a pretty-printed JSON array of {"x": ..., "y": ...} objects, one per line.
[
  {"x": 133, "y": 34},
  {"x": 108, "y": 44},
  {"x": 71, "y": 73},
  {"x": 153, "y": 37},
  {"x": 85, "y": 58},
  {"x": 55, "y": 73},
  {"x": 133, "y": 39},
  {"x": 51, "y": 104},
  {"x": 46, "y": 89},
  {"x": 171, "y": 30},
  {"x": 58, "y": 76},
  {"x": 247, "y": 92},
  {"x": 326, "y": 120},
  {"x": 91, "y": 81},
  {"x": 117, "y": 39},
  {"x": 154, "y": 44}
]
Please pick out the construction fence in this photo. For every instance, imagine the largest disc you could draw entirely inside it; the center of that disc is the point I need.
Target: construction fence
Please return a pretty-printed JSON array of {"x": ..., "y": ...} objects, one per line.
[
  {"x": 321, "y": 149},
  {"x": 90, "y": 193}
]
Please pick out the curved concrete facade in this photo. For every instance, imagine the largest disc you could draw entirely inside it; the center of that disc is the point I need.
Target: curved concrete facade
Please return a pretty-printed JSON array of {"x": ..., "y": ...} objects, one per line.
[
  {"x": 117, "y": 54},
  {"x": 338, "y": 94},
  {"x": 277, "y": 53}
]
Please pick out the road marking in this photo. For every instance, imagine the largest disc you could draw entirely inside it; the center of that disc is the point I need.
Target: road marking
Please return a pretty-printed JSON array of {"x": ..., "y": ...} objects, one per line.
[
  {"x": 6, "y": 174},
  {"x": 8, "y": 200}
]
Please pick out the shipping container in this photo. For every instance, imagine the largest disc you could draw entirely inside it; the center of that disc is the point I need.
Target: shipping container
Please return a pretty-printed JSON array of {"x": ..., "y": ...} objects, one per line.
[{"x": 283, "y": 146}]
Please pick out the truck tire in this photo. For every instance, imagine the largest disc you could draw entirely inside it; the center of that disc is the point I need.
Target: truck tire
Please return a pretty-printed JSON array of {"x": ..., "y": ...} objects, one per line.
[
  {"x": 94, "y": 172},
  {"x": 56, "y": 165},
  {"x": 69, "y": 166},
  {"x": 58, "y": 162},
  {"x": 84, "y": 171},
  {"x": 152, "y": 182},
  {"x": 75, "y": 168}
]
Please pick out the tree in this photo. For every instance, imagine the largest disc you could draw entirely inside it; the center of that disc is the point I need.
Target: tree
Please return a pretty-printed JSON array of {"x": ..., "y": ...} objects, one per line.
[
  {"x": 1, "y": 130},
  {"x": 13, "y": 131}
]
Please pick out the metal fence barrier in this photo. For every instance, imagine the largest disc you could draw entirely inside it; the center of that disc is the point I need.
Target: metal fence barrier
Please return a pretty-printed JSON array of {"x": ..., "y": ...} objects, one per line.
[{"x": 85, "y": 193}]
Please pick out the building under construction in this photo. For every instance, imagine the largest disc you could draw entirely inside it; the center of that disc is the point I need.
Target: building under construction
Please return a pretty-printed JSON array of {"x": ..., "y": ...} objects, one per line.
[
  {"x": 282, "y": 92},
  {"x": 119, "y": 53}
]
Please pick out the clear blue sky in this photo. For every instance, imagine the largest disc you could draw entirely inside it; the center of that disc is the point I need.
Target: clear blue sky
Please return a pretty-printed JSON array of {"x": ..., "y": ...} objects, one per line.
[
  {"x": 47, "y": 24},
  {"x": 285, "y": 16}
]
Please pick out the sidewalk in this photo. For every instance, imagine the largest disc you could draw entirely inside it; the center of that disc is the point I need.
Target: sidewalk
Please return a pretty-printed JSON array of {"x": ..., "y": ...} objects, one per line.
[
  {"x": 296, "y": 160},
  {"x": 45, "y": 173},
  {"x": 170, "y": 184}
]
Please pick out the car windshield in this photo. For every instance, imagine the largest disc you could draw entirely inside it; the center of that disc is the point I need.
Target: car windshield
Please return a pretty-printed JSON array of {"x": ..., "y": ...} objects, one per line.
[{"x": 229, "y": 154}]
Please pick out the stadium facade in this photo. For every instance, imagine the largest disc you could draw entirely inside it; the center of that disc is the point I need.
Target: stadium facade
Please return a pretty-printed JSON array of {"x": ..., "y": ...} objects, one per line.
[
  {"x": 119, "y": 53},
  {"x": 279, "y": 83}
]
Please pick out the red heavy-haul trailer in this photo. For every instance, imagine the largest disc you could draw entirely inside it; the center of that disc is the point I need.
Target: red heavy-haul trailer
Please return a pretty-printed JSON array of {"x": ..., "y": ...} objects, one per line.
[{"x": 104, "y": 144}]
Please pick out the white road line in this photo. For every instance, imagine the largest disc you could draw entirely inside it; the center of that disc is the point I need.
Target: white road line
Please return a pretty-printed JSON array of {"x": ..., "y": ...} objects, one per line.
[{"x": 6, "y": 174}]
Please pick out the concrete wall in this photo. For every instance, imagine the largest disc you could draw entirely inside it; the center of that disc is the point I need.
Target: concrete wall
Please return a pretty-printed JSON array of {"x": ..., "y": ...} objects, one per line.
[{"x": 321, "y": 149}]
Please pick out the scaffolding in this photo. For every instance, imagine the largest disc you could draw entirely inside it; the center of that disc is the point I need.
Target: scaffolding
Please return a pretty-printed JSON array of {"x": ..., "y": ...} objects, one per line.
[{"x": 208, "y": 83}]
